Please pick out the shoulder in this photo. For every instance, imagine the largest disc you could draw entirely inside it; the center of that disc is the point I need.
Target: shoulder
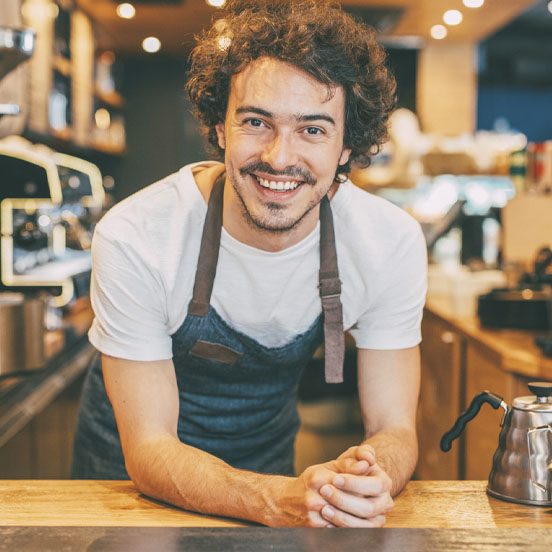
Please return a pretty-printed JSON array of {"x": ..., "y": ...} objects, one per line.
[{"x": 171, "y": 200}]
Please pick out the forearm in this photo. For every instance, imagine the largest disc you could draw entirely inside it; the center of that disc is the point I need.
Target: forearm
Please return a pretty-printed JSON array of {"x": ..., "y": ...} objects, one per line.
[
  {"x": 166, "y": 469},
  {"x": 397, "y": 453}
]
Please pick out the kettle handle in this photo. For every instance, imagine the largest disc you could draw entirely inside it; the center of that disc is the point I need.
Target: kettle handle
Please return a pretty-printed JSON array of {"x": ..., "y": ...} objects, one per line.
[
  {"x": 533, "y": 454},
  {"x": 485, "y": 397}
]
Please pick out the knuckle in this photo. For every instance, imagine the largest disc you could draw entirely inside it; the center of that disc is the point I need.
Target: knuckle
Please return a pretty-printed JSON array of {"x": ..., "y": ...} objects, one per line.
[
  {"x": 338, "y": 519},
  {"x": 376, "y": 521},
  {"x": 380, "y": 520},
  {"x": 368, "y": 510},
  {"x": 351, "y": 451},
  {"x": 314, "y": 476},
  {"x": 313, "y": 502},
  {"x": 336, "y": 499},
  {"x": 317, "y": 479},
  {"x": 314, "y": 520},
  {"x": 348, "y": 463},
  {"x": 386, "y": 484},
  {"x": 378, "y": 488}
]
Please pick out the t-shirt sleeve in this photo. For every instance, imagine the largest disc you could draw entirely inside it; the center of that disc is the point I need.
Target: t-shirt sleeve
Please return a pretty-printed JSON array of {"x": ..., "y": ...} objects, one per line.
[
  {"x": 393, "y": 319},
  {"x": 128, "y": 302}
]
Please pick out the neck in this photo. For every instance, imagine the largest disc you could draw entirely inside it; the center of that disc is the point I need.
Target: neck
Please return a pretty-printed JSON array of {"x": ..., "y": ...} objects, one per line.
[{"x": 238, "y": 224}]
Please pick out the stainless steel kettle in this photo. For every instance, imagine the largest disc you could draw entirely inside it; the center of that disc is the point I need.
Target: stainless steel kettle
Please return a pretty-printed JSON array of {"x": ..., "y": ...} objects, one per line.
[{"x": 522, "y": 463}]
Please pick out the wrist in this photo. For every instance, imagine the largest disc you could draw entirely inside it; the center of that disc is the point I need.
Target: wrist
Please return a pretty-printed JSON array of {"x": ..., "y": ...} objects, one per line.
[
  {"x": 260, "y": 496},
  {"x": 272, "y": 492}
]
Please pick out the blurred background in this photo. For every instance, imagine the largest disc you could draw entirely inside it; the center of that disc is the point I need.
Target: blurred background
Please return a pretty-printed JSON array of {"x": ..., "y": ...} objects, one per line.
[
  {"x": 92, "y": 109},
  {"x": 490, "y": 71}
]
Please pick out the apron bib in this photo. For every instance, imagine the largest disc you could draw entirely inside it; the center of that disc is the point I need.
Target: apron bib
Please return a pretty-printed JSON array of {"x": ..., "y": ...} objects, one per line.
[{"x": 238, "y": 398}]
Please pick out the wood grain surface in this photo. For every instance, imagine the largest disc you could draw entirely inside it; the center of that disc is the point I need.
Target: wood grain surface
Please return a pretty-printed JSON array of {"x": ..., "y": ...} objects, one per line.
[
  {"x": 461, "y": 504},
  {"x": 92, "y": 503},
  {"x": 423, "y": 504}
]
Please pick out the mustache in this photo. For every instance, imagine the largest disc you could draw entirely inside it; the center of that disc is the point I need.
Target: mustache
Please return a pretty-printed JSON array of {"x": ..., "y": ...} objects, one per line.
[{"x": 295, "y": 172}]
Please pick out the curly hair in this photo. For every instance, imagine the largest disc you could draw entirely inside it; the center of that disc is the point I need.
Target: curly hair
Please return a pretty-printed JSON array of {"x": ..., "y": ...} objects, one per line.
[{"x": 314, "y": 35}]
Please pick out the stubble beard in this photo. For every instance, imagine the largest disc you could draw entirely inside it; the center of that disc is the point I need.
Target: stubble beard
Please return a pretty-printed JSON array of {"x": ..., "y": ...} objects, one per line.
[{"x": 275, "y": 220}]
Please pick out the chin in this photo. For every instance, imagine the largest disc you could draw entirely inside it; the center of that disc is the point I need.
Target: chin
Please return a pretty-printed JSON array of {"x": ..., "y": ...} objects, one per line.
[
  {"x": 272, "y": 224},
  {"x": 276, "y": 219}
]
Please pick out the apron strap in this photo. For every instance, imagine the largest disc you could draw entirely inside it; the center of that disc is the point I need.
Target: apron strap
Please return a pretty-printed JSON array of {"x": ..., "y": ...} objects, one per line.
[
  {"x": 330, "y": 292},
  {"x": 209, "y": 251},
  {"x": 329, "y": 283}
]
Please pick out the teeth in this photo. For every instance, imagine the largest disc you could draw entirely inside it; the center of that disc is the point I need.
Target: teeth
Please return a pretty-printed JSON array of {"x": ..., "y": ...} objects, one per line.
[{"x": 272, "y": 185}]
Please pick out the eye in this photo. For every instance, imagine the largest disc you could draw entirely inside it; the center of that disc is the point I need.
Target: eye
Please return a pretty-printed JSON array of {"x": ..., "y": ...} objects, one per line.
[
  {"x": 254, "y": 122},
  {"x": 314, "y": 131}
]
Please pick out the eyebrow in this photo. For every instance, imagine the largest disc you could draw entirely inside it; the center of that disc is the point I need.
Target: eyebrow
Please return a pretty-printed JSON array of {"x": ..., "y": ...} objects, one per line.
[{"x": 299, "y": 118}]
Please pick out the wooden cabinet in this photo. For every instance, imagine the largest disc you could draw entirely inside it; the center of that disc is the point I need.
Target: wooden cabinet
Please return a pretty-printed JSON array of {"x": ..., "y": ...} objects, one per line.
[
  {"x": 459, "y": 361},
  {"x": 43, "y": 449},
  {"x": 481, "y": 433},
  {"x": 483, "y": 373},
  {"x": 440, "y": 394}
]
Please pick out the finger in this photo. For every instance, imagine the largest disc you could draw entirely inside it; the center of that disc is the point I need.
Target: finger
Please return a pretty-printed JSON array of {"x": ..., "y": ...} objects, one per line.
[
  {"x": 343, "y": 519},
  {"x": 315, "y": 519},
  {"x": 366, "y": 485},
  {"x": 359, "y": 506},
  {"x": 352, "y": 465},
  {"x": 349, "y": 453},
  {"x": 360, "y": 452},
  {"x": 366, "y": 452},
  {"x": 316, "y": 476}
]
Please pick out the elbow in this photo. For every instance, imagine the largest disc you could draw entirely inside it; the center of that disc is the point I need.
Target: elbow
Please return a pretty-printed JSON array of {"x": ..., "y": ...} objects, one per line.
[
  {"x": 142, "y": 462},
  {"x": 136, "y": 467}
]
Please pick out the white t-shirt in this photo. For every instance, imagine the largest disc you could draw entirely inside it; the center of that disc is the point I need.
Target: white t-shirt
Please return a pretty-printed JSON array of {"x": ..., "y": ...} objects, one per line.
[{"x": 145, "y": 252}]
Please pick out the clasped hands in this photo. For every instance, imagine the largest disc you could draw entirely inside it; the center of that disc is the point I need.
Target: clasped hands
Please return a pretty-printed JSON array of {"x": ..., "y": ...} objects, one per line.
[{"x": 351, "y": 491}]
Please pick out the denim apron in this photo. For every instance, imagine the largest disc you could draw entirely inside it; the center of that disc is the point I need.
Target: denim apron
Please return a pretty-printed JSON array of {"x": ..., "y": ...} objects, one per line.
[{"x": 238, "y": 398}]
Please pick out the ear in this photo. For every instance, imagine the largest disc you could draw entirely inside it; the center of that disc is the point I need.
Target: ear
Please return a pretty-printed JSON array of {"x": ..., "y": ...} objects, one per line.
[
  {"x": 220, "y": 134},
  {"x": 344, "y": 157}
]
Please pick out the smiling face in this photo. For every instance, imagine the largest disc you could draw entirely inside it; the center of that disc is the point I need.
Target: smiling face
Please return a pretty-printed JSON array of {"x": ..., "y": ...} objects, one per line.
[{"x": 283, "y": 141}]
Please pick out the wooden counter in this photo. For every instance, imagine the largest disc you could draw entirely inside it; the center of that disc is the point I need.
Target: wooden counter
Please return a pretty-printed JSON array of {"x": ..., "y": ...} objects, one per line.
[
  {"x": 38, "y": 408},
  {"x": 423, "y": 504},
  {"x": 113, "y": 516}
]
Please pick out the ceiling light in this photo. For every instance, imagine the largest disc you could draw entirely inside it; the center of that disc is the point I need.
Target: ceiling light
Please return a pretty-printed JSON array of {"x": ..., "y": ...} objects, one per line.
[
  {"x": 107, "y": 57},
  {"x": 473, "y": 3},
  {"x": 151, "y": 44},
  {"x": 126, "y": 11},
  {"x": 452, "y": 17},
  {"x": 550, "y": 6},
  {"x": 438, "y": 31},
  {"x": 216, "y": 3}
]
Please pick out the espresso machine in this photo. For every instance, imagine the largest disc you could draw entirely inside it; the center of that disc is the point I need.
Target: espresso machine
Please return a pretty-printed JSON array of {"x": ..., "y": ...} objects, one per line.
[{"x": 49, "y": 205}]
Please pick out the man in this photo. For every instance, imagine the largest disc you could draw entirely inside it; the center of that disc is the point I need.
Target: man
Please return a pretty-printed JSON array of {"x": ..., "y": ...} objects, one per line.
[{"x": 204, "y": 330}]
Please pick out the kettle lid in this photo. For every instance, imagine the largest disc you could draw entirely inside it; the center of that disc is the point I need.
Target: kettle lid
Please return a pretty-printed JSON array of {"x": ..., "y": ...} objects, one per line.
[{"x": 541, "y": 401}]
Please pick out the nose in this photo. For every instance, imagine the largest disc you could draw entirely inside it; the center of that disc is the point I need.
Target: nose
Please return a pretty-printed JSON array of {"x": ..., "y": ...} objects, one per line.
[{"x": 280, "y": 152}]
